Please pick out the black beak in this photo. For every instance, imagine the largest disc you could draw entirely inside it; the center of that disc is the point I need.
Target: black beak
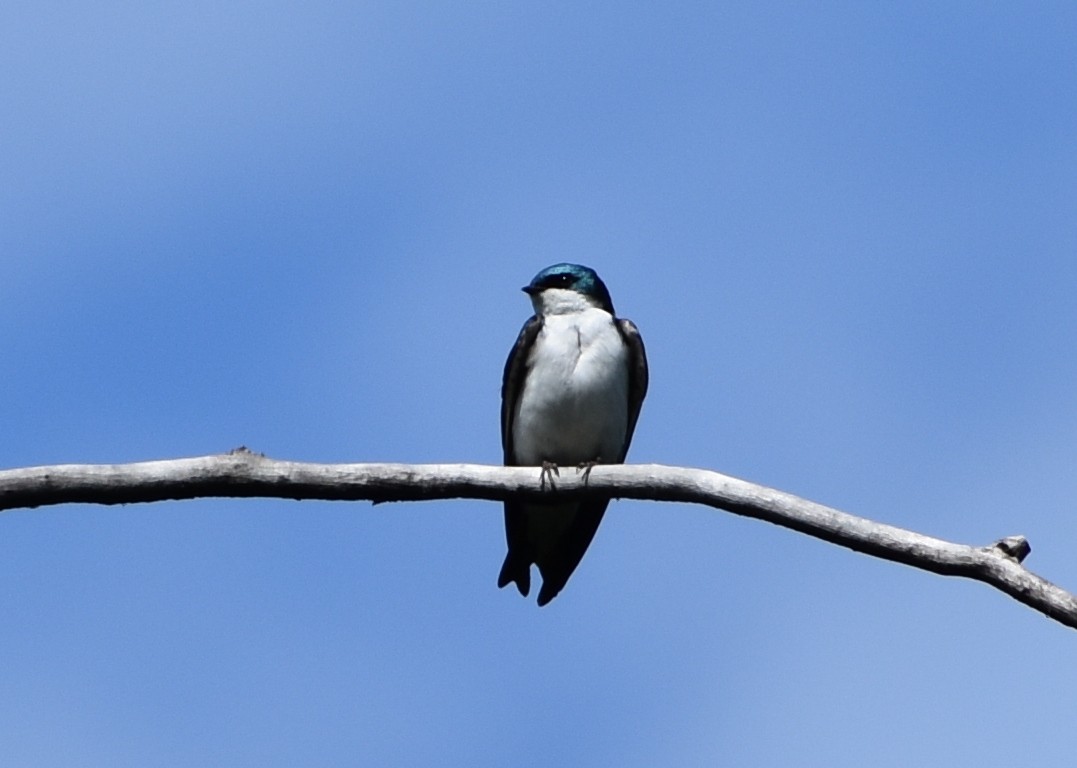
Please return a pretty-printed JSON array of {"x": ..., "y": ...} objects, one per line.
[{"x": 531, "y": 290}]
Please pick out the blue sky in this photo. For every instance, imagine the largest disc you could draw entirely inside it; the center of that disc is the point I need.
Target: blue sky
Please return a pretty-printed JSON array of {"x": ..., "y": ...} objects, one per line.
[{"x": 846, "y": 232}]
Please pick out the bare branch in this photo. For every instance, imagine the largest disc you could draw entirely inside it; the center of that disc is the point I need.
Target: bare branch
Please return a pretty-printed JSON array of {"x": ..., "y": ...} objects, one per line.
[{"x": 245, "y": 474}]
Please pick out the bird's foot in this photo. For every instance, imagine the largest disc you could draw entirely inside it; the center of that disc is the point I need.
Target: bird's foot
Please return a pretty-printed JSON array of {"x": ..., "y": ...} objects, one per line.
[
  {"x": 549, "y": 469},
  {"x": 586, "y": 467}
]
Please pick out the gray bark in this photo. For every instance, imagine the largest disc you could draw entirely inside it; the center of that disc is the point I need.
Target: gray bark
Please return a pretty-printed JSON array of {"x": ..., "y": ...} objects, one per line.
[{"x": 242, "y": 473}]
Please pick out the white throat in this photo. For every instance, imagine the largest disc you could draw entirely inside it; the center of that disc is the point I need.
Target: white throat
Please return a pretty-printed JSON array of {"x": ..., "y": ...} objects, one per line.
[{"x": 561, "y": 301}]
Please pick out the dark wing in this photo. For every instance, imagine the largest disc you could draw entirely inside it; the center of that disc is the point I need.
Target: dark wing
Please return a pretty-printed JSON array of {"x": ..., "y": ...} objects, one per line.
[
  {"x": 517, "y": 566},
  {"x": 513, "y": 381},
  {"x": 637, "y": 377}
]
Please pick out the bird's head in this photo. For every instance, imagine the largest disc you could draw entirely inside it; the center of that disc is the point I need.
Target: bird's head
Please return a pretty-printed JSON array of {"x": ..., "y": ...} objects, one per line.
[{"x": 568, "y": 288}]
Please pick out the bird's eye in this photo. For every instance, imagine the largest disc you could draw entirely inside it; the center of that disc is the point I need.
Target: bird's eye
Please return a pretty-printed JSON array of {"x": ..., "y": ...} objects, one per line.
[{"x": 564, "y": 279}]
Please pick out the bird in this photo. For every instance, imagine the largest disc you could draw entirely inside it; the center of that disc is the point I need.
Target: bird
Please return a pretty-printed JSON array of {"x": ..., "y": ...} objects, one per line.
[{"x": 572, "y": 390}]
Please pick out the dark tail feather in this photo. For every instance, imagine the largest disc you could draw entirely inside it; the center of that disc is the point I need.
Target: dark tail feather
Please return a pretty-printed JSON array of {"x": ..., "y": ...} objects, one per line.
[
  {"x": 557, "y": 566},
  {"x": 515, "y": 569},
  {"x": 554, "y": 582},
  {"x": 547, "y": 593}
]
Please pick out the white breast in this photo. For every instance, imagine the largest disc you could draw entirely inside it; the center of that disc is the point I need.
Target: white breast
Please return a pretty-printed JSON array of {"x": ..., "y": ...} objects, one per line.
[{"x": 574, "y": 404}]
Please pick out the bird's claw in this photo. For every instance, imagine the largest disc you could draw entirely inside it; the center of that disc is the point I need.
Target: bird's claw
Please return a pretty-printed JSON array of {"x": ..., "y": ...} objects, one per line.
[
  {"x": 586, "y": 467},
  {"x": 549, "y": 469}
]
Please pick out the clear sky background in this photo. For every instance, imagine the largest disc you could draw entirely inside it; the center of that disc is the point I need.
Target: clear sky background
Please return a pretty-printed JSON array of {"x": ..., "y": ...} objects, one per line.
[{"x": 848, "y": 234}]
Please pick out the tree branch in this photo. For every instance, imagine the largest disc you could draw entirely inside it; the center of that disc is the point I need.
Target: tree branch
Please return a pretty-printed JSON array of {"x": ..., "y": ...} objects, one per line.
[{"x": 245, "y": 474}]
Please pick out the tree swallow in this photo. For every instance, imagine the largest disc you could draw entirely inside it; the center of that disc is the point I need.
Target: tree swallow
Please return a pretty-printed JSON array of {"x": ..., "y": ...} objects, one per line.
[{"x": 573, "y": 386}]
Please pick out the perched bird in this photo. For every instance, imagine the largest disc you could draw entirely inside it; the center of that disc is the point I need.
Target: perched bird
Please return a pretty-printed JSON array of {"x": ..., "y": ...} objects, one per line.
[{"x": 573, "y": 386}]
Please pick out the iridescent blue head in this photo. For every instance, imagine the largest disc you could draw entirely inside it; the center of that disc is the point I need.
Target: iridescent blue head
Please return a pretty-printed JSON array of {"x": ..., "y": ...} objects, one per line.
[{"x": 572, "y": 277}]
